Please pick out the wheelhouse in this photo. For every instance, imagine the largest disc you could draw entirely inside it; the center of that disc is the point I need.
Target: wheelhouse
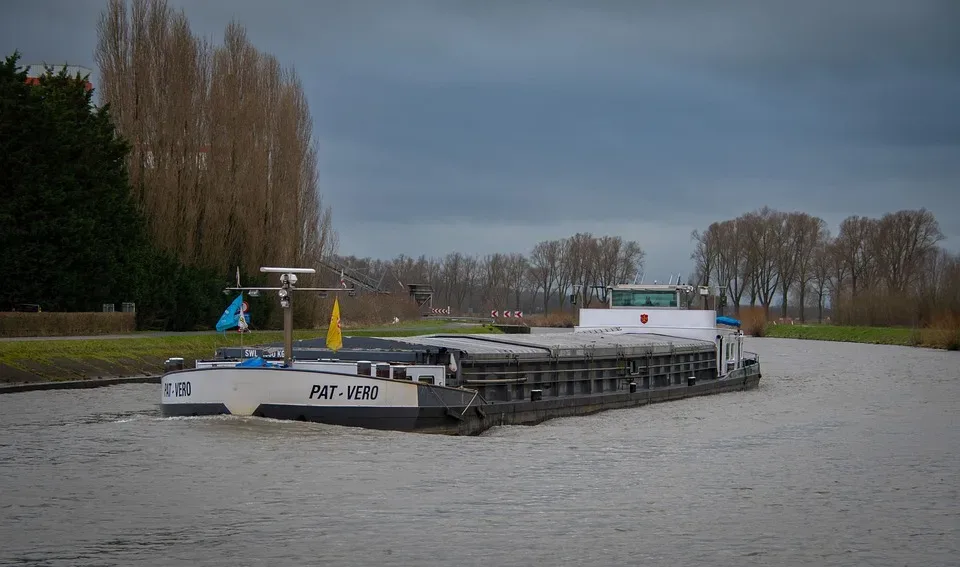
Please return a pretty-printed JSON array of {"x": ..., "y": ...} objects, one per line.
[{"x": 653, "y": 296}]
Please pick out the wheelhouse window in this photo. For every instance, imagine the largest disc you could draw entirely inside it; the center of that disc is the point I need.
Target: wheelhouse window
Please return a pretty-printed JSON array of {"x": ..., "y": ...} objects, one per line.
[{"x": 643, "y": 298}]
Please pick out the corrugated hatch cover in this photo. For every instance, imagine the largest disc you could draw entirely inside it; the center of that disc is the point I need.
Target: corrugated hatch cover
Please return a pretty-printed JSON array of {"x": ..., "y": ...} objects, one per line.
[{"x": 595, "y": 342}]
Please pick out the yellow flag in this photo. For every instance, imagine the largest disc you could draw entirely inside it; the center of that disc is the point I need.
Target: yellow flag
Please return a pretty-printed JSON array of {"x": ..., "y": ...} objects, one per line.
[{"x": 334, "y": 337}]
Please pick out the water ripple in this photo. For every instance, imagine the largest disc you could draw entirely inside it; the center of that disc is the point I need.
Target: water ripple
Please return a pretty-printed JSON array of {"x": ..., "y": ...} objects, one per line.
[{"x": 846, "y": 454}]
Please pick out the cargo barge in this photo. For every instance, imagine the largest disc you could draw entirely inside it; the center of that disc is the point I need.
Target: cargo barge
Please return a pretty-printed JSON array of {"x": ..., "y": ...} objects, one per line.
[{"x": 646, "y": 346}]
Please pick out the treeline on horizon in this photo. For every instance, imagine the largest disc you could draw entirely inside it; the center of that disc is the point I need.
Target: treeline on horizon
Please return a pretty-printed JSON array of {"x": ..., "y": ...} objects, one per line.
[
  {"x": 875, "y": 271},
  {"x": 198, "y": 159},
  {"x": 885, "y": 271},
  {"x": 554, "y": 274}
]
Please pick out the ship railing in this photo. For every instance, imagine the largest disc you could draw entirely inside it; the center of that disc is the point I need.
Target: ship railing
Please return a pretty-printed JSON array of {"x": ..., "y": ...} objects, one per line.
[{"x": 750, "y": 358}]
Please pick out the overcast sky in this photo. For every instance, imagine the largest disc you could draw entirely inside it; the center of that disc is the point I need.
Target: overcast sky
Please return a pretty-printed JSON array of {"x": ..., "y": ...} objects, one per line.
[{"x": 487, "y": 126}]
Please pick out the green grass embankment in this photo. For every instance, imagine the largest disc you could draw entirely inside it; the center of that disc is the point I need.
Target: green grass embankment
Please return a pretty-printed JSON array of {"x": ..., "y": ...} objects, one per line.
[
  {"x": 904, "y": 336},
  {"x": 67, "y": 359}
]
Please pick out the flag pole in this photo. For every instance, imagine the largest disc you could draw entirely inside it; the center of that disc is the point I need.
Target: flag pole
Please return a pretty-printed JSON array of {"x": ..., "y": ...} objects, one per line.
[
  {"x": 288, "y": 330},
  {"x": 240, "y": 327}
]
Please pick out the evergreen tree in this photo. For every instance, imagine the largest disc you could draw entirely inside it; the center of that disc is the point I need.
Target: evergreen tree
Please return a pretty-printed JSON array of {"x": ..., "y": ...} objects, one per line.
[
  {"x": 71, "y": 235},
  {"x": 67, "y": 222}
]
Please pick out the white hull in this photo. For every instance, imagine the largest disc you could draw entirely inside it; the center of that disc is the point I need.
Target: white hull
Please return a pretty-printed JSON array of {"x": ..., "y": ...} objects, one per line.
[
  {"x": 242, "y": 390},
  {"x": 312, "y": 395}
]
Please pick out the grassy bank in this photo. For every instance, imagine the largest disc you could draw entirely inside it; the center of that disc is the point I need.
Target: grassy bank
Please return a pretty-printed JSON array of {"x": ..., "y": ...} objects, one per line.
[
  {"x": 872, "y": 335},
  {"x": 22, "y": 361},
  {"x": 19, "y": 324},
  {"x": 904, "y": 336}
]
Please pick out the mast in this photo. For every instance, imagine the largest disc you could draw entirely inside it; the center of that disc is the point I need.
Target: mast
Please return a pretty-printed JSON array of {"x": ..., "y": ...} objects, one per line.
[{"x": 288, "y": 281}]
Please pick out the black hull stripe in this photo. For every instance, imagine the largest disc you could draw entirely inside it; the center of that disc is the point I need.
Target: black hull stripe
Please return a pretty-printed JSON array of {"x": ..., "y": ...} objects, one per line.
[
  {"x": 189, "y": 410},
  {"x": 388, "y": 418}
]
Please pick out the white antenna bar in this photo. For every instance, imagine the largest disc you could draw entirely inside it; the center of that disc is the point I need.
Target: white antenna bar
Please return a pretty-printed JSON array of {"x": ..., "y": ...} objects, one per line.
[{"x": 267, "y": 269}]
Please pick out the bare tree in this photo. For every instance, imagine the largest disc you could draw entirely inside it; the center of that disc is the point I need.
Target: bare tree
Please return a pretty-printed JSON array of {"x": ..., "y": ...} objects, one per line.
[
  {"x": 839, "y": 276},
  {"x": 902, "y": 244},
  {"x": 783, "y": 228},
  {"x": 493, "y": 278},
  {"x": 411, "y": 271},
  {"x": 809, "y": 233},
  {"x": 590, "y": 261},
  {"x": 615, "y": 261},
  {"x": 705, "y": 253},
  {"x": 471, "y": 269},
  {"x": 544, "y": 264},
  {"x": 762, "y": 236},
  {"x": 452, "y": 277},
  {"x": 563, "y": 271},
  {"x": 821, "y": 270},
  {"x": 516, "y": 272},
  {"x": 629, "y": 262},
  {"x": 730, "y": 268},
  {"x": 853, "y": 248},
  {"x": 579, "y": 249}
]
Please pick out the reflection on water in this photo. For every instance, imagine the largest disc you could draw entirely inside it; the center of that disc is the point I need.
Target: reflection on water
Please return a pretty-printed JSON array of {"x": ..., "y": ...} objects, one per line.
[{"x": 846, "y": 454}]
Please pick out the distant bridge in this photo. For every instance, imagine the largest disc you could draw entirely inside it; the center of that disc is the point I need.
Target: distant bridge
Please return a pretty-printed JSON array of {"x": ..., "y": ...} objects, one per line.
[
  {"x": 421, "y": 293},
  {"x": 359, "y": 279}
]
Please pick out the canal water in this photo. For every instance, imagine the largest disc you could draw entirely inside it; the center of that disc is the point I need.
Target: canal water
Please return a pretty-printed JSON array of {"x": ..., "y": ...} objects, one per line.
[{"x": 846, "y": 455}]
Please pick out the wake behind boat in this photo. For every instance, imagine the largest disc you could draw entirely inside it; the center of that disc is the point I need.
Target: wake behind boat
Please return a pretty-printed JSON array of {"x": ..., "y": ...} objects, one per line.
[{"x": 646, "y": 347}]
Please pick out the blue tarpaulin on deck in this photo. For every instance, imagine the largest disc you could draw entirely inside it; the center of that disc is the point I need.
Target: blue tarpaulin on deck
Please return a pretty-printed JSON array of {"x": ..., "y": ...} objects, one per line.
[
  {"x": 255, "y": 362},
  {"x": 728, "y": 321}
]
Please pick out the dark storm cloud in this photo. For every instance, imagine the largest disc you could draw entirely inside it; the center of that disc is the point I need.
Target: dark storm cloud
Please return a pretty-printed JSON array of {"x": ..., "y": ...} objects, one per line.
[{"x": 460, "y": 120}]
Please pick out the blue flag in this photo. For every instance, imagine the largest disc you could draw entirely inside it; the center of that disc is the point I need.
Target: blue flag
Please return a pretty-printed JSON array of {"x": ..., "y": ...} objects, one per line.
[{"x": 231, "y": 315}]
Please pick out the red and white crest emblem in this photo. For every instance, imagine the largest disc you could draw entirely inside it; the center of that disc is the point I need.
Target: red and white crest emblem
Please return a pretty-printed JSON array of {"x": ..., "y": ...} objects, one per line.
[{"x": 644, "y": 318}]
